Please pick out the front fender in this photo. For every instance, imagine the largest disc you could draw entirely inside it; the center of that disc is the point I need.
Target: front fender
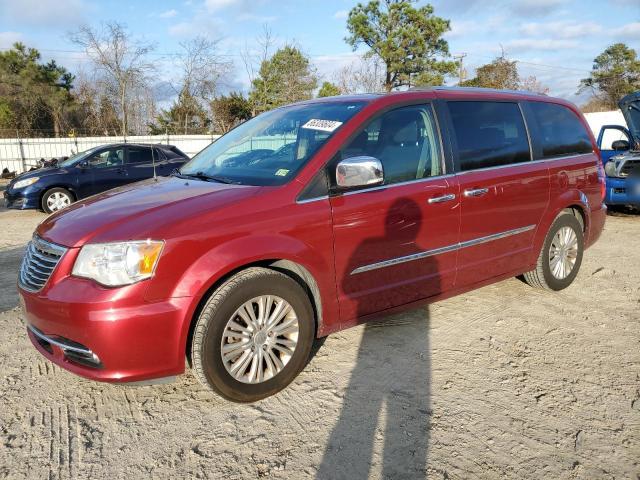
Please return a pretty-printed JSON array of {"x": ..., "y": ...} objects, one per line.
[{"x": 220, "y": 261}]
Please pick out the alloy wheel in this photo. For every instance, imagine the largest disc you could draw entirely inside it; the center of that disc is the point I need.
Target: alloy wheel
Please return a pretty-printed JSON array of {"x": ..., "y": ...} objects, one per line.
[
  {"x": 563, "y": 253},
  {"x": 259, "y": 339}
]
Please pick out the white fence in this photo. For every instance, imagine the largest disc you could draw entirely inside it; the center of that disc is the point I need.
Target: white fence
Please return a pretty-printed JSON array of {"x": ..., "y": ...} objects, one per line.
[{"x": 19, "y": 154}]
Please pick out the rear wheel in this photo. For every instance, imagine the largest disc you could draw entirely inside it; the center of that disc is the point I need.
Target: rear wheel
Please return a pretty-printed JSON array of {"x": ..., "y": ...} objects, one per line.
[
  {"x": 561, "y": 255},
  {"x": 254, "y": 335},
  {"x": 56, "y": 199}
]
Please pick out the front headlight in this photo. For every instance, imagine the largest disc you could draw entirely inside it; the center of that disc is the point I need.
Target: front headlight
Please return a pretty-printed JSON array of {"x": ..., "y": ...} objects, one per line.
[
  {"x": 117, "y": 264},
  {"x": 610, "y": 169},
  {"x": 26, "y": 182}
]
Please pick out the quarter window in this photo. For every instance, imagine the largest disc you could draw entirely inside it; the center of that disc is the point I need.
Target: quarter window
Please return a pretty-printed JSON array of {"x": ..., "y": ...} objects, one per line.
[
  {"x": 405, "y": 140},
  {"x": 560, "y": 132},
  {"x": 489, "y": 134}
]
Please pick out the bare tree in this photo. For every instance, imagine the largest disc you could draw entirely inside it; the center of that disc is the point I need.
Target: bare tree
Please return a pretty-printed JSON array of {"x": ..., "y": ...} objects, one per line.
[
  {"x": 532, "y": 84},
  {"x": 122, "y": 62},
  {"x": 362, "y": 75},
  {"x": 203, "y": 68},
  {"x": 254, "y": 58}
]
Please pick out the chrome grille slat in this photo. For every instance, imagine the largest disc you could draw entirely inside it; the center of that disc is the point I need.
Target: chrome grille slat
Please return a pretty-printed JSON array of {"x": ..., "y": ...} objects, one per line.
[{"x": 40, "y": 260}]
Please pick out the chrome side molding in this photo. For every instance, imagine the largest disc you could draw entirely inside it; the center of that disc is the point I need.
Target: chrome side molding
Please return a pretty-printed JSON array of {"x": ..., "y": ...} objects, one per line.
[{"x": 445, "y": 249}]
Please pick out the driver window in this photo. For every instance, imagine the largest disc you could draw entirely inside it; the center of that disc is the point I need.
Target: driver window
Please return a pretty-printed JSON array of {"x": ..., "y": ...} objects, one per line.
[
  {"x": 107, "y": 158},
  {"x": 405, "y": 140},
  {"x": 611, "y": 135}
]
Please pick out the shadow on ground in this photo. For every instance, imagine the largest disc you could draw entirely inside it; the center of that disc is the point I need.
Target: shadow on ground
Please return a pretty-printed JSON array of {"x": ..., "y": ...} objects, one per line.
[{"x": 10, "y": 260}]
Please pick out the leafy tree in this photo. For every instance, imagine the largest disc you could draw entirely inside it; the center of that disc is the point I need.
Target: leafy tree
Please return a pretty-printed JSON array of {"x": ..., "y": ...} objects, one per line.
[
  {"x": 406, "y": 38},
  {"x": 230, "y": 110},
  {"x": 328, "y": 89},
  {"x": 284, "y": 78},
  {"x": 186, "y": 116},
  {"x": 615, "y": 73},
  {"x": 500, "y": 73},
  {"x": 33, "y": 95}
]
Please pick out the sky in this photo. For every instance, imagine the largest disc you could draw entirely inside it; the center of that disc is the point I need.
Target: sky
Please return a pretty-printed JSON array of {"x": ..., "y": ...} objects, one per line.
[{"x": 554, "y": 40}]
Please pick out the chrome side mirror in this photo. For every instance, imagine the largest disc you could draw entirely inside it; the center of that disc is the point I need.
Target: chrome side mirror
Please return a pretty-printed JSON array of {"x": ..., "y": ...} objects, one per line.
[{"x": 359, "y": 172}]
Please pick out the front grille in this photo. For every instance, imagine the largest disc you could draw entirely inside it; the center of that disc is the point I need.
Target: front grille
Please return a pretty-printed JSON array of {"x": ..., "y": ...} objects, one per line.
[{"x": 39, "y": 262}]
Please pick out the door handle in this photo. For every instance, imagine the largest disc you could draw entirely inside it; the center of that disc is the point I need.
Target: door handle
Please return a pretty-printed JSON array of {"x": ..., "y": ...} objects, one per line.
[
  {"x": 475, "y": 192},
  {"x": 442, "y": 199}
]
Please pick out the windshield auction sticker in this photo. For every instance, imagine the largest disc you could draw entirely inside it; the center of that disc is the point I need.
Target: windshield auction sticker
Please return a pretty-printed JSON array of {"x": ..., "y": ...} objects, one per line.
[{"x": 323, "y": 125}]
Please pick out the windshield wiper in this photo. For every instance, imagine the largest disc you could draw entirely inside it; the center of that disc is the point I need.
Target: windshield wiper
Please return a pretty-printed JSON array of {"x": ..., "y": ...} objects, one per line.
[{"x": 207, "y": 178}]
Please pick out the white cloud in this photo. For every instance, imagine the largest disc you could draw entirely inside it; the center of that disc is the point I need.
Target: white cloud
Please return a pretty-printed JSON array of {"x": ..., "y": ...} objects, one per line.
[
  {"x": 563, "y": 29},
  {"x": 631, "y": 31},
  {"x": 341, "y": 14},
  {"x": 61, "y": 13},
  {"x": 7, "y": 39},
  {"x": 538, "y": 44},
  {"x": 464, "y": 27},
  {"x": 168, "y": 14},
  {"x": 250, "y": 17},
  {"x": 535, "y": 8},
  {"x": 215, "y": 5}
]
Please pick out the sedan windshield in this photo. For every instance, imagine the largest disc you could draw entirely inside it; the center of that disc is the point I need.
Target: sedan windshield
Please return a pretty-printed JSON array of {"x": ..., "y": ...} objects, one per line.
[
  {"x": 74, "y": 158},
  {"x": 270, "y": 148}
]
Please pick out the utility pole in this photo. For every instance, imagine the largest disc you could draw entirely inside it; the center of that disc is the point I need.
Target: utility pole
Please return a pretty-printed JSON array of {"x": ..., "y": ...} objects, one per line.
[{"x": 461, "y": 72}]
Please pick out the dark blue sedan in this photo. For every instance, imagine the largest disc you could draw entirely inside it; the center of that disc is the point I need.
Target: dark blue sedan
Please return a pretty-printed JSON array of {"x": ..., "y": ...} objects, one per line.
[{"x": 90, "y": 172}]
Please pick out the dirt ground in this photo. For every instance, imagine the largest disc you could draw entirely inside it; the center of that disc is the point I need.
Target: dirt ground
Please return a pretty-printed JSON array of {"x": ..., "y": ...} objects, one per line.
[{"x": 504, "y": 382}]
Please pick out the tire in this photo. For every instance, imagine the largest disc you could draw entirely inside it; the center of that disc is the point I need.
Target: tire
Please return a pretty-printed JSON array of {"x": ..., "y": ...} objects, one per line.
[
  {"x": 543, "y": 275},
  {"x": 56, "y": 199},
  {"x": 213, "y": 327}
]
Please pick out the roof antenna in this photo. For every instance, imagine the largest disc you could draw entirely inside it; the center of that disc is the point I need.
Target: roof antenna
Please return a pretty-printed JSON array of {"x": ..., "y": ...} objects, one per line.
[{"x": 153, "y": 162}]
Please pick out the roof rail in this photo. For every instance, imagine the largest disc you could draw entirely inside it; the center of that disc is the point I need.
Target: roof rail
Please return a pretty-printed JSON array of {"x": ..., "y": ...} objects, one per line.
[{"x": 473, "y": 89}]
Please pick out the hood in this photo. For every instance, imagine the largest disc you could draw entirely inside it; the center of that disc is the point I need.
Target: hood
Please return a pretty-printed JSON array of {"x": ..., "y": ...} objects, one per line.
[
  {"x": 138, "y": 211},
  {"x": 42, "y": 172},
  {"x": 630, "y": 107}
]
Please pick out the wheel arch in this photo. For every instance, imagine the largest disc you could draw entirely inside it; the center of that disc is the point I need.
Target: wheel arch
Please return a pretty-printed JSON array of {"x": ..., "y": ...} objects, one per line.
[
  {"x": 299, "y": 273},
  {"x": 56, "y": 185},
  {"x": 573, "y": 202}
]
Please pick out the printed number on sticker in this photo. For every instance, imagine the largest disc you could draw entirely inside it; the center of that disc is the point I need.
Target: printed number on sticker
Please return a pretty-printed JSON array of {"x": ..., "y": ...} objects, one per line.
[{"x": 324, "y": 125}]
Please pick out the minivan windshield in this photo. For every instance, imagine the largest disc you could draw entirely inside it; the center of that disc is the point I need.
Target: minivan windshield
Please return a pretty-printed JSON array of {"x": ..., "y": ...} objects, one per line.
[{"x": 272, "y": 147}]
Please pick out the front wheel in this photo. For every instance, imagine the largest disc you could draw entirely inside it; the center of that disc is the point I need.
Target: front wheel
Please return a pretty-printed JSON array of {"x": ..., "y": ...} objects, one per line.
[
  {"x": 253, "y": 336},
  {"x": 561, "y": 255},
  {"x": 56, "y": 199}
]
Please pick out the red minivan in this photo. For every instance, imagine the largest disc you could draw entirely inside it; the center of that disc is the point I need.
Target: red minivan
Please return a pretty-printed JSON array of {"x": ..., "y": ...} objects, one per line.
[{"x": 306, "y": 220}]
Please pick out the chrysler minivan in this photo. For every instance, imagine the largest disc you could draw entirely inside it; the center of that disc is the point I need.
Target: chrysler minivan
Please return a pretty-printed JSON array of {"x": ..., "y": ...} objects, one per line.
[{"x": 306, "y": 220}]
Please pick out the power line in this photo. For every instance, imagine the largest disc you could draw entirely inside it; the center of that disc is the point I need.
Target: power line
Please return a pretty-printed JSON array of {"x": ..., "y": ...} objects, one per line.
[{"x": 237, "y": 55}]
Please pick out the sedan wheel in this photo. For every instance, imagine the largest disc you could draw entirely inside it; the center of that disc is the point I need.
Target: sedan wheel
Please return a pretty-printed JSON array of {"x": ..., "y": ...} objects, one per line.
[{"x": 56, "y": 199}]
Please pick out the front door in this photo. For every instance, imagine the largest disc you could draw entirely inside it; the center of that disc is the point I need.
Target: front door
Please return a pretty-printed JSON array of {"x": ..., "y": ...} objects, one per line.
[
  {"x": 609, "y": 134},
  {"x": 503, "y": 193},
  {"x": 108, "y": 169},
  {"x": 395, "y": 243}
]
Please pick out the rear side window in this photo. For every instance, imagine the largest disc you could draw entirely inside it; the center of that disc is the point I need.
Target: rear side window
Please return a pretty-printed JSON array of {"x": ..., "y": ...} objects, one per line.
[
  {"x": 489, "y": 134},
  {"x": 139, "y": 155},
  {"x": 173, "y": 152},
  {"x": 560, "y": 132}
]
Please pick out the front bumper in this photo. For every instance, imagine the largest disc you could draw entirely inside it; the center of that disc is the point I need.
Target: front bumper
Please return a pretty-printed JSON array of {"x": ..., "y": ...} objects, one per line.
[
  {"x": 109, "y": 335},
  {"x": 20, "y": 199},
  {"x": 623, "y": 191}
]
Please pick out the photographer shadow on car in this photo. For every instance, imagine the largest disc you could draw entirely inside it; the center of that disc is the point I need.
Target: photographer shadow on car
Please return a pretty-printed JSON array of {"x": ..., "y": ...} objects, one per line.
[{"x": 387, "y": 401}]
